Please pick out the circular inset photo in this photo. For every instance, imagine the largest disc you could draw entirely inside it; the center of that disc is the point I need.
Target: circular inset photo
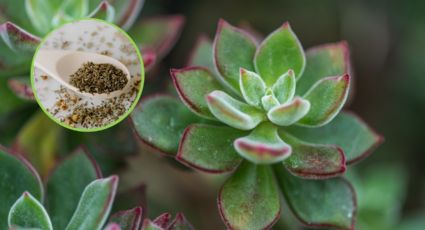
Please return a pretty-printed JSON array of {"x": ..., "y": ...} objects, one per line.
[{"x": 87, "y": 75}]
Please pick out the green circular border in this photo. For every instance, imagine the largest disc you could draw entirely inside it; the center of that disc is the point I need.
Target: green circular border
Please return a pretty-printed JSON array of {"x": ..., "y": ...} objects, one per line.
[{"x": 122, "y": 117}]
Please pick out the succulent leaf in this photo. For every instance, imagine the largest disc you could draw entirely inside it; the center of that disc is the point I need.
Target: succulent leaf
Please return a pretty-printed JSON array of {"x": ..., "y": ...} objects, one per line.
[
  {"x": 127, "y": 12},
  {"x": 113, "y": 226},
  {"x": 288, "y": 114},
  {"x": 209, "y": 148},
  {"x": 66, "y": 184},
  {"x": 15, "y": 169},
  {"x": 180, "y": 223},
  {"x": 347, "y": 131},
  {"x": 319, "y": 203},
  {"x": 75, "y": 8},
  {"x": 232, "y": 49},
  {"x": 163, "y": 220},
  {"x": 202, "y": 54},
  {"x": 327, "y": 98},
  {"x": 192, "y": 84},
  {"x": 27, "y": 212},
  {"x": 249, "y": 199},
  {"x": 128, "y": 219},
  {"x": 252, "y": 87},
  {"x": 269, "y": 101},
  {"x": 323, "y": 61},
  {"x": 263, "y": 145},
  {"x": 278, "y": 53},
  {"x": 284, "y": 87},
  {"x": 313, "y": 161},
  {"x": 104, "y": 11},
  {"x": 95, "y": 204},
  {"x": 150, "y": 225},
  {"x": 21, "y": 86},
  {"x": 40, "y": 13},
  {"x": 232, "y": 112},
  {"x": 160, "y": 121}
]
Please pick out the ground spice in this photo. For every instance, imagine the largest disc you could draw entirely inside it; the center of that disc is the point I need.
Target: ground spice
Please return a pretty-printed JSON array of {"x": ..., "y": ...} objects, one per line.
[{"x": 98, "y": 78}]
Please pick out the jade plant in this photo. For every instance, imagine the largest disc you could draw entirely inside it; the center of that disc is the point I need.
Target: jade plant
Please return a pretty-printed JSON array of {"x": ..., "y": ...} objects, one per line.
[
  {"x": 77, "y": 197},
  {"x": 269, "y": 114}
]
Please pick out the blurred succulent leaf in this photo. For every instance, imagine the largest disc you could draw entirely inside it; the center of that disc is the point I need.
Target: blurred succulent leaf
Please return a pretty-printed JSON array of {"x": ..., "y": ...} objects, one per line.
[
  {"x": 252, "y": 87},
  {"x": 127, "y": 12},
  {"x": 150, "y": 225},
  {"x": 40, "y": 13},
  {"x": 95, "y": 203},
  {"x": 158, "y": 33},
  {"x": 278, "y": 53},
  {"x": 319, "y": 203},
  {"x": 323, "y": 61},
  {"x": 263, "y": 145},
  {"x": 13, "y": 11},
  {"x": 202, "y": 54},
  {"x": 284, "y": 87},
  {"x": 21, "y": 86},
  {"x": 289, "y": 113},
  {"x": 12, "y": 121},
  {"x": 10, "y": 101},
  {"x": 232, "y": 49},
  {"x": 104, "y": 11},
  {"x": 27, "y": 212},
  {"x": 209, "y": 148},
  {"x": 128, "y": 219},
  {"x": 180, "y": 223},
  {"x": 347, "y": 130},
  {"x": 233, "y": 112},
  {"x": 112, "y": 226},
  {"x": 327, "y": 97},
  {"x": 75, "y": 8},
  {"x": 412, "y": 222},
  {"x": 249, "y": 199},
  {"x": 192, "y": 85},
  {"x": 160, "y": 121},
  {"x": 66, "y": 184},
  {"x": 313, "y": 161},
  {"x": 12, "y": 170},
  {"x": 149, "y": 58}
]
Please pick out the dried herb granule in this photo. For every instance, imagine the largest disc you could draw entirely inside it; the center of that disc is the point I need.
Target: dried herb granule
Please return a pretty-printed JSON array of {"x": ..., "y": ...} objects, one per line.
[{"x": 98, "y": 78}]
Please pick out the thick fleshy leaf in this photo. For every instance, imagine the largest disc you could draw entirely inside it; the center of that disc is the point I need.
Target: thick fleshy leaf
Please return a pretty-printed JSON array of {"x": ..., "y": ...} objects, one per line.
[
  {"x": 66, "y": 184},
  {"x": 278, "y": 53},
  {"x": 202, "y": 54},
  {"x": 21, "y": 86},
  {"x": 13, "y": 170},
  {"x": 327, "y": 97},
  {"x": 313, "y": 161},
  {"x": 209, "y": 148},
  {"x": 232, "y": 49},
  {"x": 150, "y": 225},
  {"x": 95, "y": 204},
  {"x": 112, "y": 226},
  {"x": 75, "y": 8},
  {"x": 249, "y": 199},
  {"x": 149, "y": 58},
  {"x": 319, "y": 203},
  {"x": 40, "y": 13},
  {"x": 104, "y": 11},
  {"x": 192, "y": 85},
  {"x": 263, "y": 145},
  {"x": 323, "y": 61},
  {"x": 163, "y": 220},
  {"x": 127, "y": 12},
  {"x": 14, "y": 11},
  {"x": 27, "y": 212},
  {"x": 180, "y": 223},
  {"x": 269, "y": 101},
  {"x": 252, "y": 87},
  {"x": 128, "y": 219},
  {"x": 288, "y": 114},
  {"x": 158, "y": 33},
  {"x": 233, "y": 112},
  {"x": 284, "y": 87},
  {"x": 160, "y": 121},
  {"x": 17, "y": 47},
  {"x": 347, "y": 131}
]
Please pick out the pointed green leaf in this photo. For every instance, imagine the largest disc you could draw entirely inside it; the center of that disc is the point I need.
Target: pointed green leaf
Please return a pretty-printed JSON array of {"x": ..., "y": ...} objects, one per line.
[
  {"x": 323, "y": 61},
  {"x": 40, "y": 13},
  {"x": 249, "y": 199},
  {"x": 252, "y": 87},
  {"x": 75, "y": 8},
  {"x": 21, "y": 86},
  {"x": 128, "y": 219},
  {"x": 27, "y": 212},
  {"x": 180, "y": 223},
  {"x": 95, "y": 204},
  {"x": 327, "y": 98},
  {"x": 319, "y": 203},
  {"x": 233, "y": 49},
  {"x": 288, "y": 114},
  {"x": 160, "y": 121},
  {"x": 209, "y": 148},
  {"x": 269, "y": 101},
  {"x": 284, "y": 87},
  {"x": 347, "y": 131},
  {"x": 15, "y": 169},
  {"x": 278, "y": 53},
  {"x": 202, "y": 54},
  {"x": 127, "y": 12},
  {"x": 233, "y": 112},
  {"x": 192, "y": 85},
  {"x": 66, "y": 184},
  {"x": 104, "y": 11},
  {"x": 313, "y": 161},
  {"x": 263, "y": 145}
]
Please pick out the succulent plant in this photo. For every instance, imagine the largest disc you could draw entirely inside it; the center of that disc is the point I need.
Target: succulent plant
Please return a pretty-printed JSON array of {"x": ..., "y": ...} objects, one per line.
[{"x": 270, "y": 114}]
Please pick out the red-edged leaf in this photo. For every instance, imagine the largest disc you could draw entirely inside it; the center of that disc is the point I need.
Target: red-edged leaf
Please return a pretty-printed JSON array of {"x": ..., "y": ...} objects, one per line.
[
  {"x": 21, "y": 86},
  {"x": 104, "y": 11},
  {"x": 127, "y": 12},
  {"x": 209, "y": 148},
  {"x": 128, "y": 219},
  {"x": 180, "y": 223},
  {"x": 163, "y": 220},
  {"x": 149, "y": 58},
  {"x": 112, "y": 226},
  {"x": 150, "y": 225},
  {"x": 192, "y": 85}
]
